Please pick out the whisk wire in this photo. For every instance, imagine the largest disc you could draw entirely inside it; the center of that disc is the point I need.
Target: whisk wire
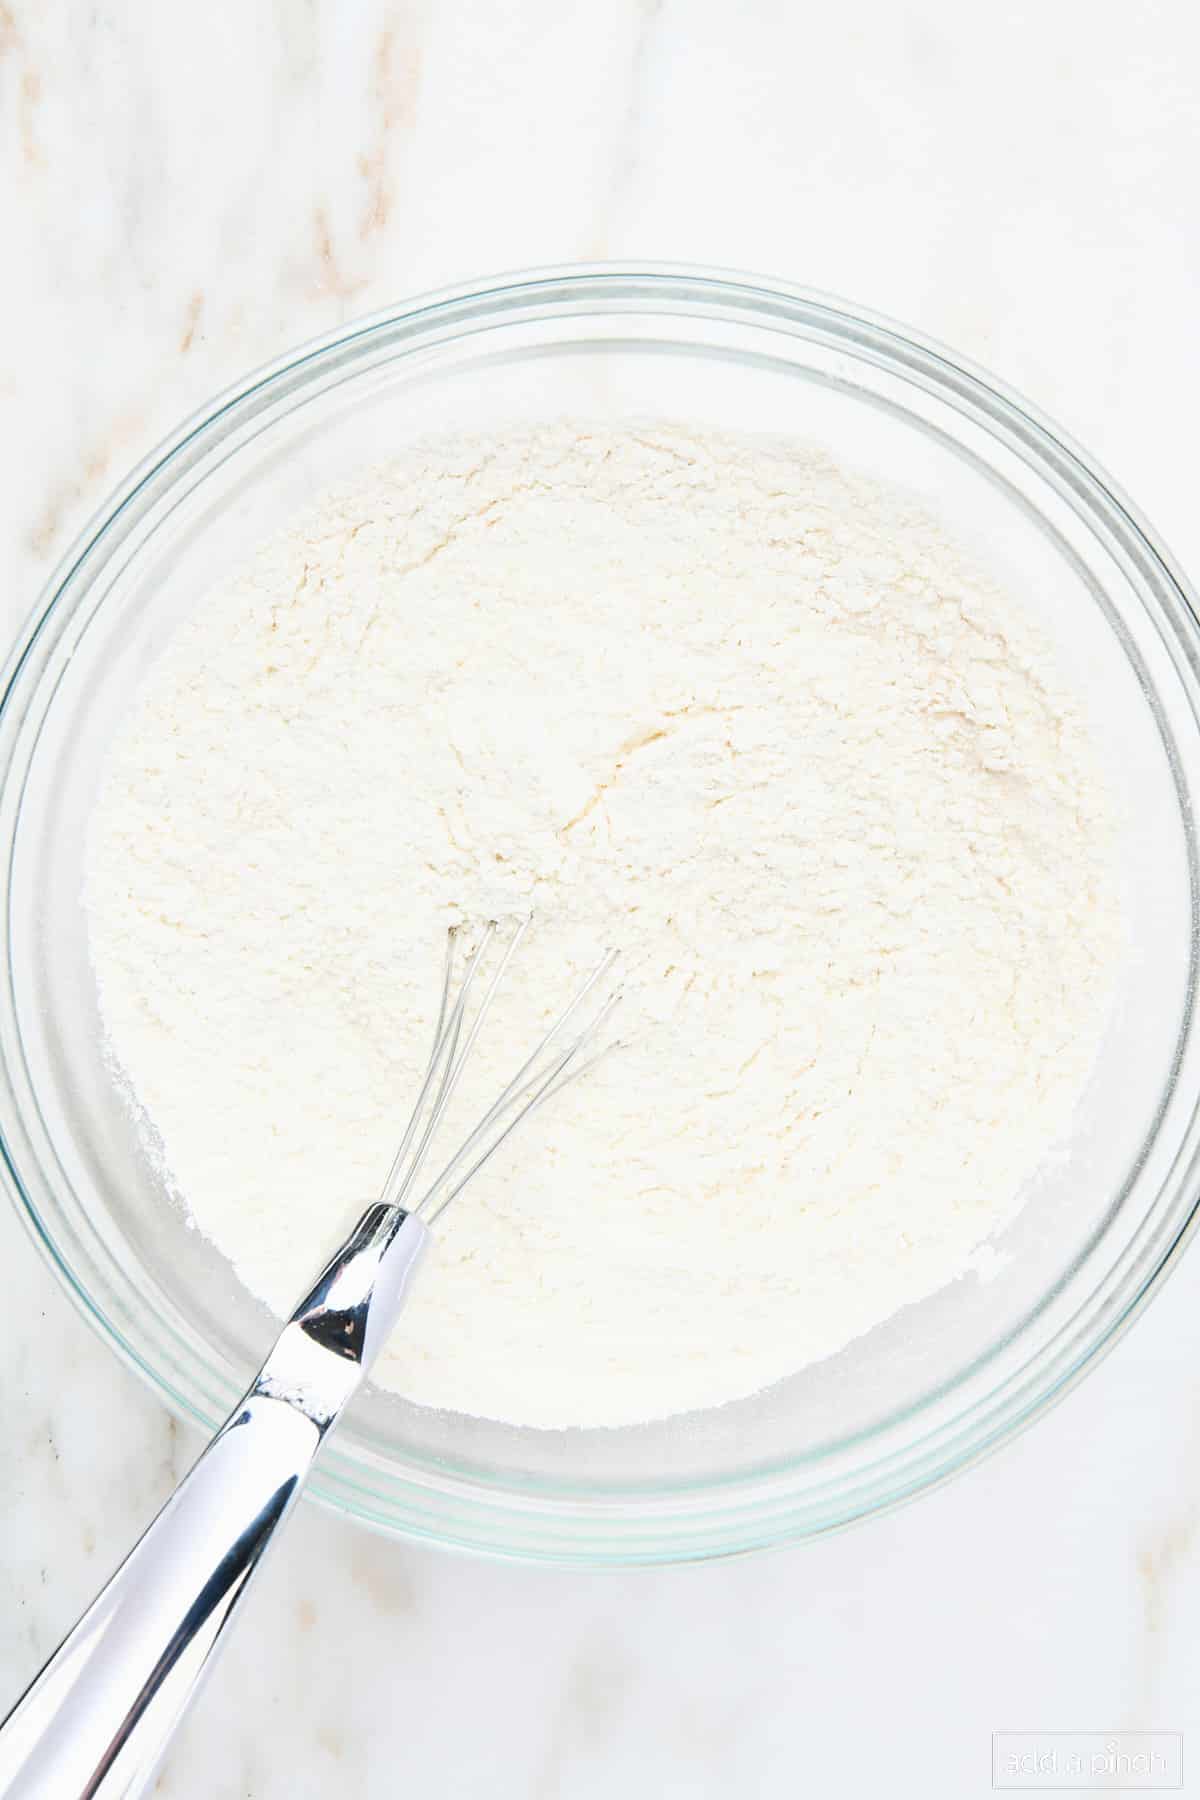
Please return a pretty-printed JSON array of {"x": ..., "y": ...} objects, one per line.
[
  {"x": 445, "y": 1057},
  {"x": 510, "y": 1093},
  {"x": 524, "y": 1092},
  {"x": 453, "y": 1039},
  {"x": 392, "y": 1186}
]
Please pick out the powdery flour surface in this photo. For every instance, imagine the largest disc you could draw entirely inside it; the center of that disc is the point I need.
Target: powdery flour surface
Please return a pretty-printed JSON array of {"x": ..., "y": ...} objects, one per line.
[{"x": 712, "y": 700}]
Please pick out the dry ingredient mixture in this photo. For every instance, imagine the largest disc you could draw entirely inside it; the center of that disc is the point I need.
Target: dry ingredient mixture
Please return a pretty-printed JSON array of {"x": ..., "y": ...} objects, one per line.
[{"x": 709, "y": 698}]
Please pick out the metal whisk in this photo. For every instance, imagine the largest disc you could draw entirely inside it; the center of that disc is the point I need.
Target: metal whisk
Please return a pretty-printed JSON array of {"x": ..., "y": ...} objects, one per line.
[{"x": 97, "y": 1719}]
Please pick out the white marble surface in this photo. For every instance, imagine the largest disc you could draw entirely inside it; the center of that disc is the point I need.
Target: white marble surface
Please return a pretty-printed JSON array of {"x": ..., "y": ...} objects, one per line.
[{"x": 187, "y": 191}]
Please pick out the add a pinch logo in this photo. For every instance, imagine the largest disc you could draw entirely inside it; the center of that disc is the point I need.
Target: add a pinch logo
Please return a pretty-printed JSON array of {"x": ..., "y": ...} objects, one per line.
[{"x": 1101, "y": 1761}]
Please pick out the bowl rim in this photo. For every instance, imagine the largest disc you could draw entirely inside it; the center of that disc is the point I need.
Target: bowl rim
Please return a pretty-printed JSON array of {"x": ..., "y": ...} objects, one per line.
[{"x": 682, "y": 1522}]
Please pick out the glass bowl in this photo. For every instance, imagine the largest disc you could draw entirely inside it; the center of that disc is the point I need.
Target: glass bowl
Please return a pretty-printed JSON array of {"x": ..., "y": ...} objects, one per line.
[{"x": 931, "y": 1389}]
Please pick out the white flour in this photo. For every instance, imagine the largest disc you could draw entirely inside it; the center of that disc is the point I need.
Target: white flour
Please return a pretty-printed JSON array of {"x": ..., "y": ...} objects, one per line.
[{"x": 712, "y": 700}]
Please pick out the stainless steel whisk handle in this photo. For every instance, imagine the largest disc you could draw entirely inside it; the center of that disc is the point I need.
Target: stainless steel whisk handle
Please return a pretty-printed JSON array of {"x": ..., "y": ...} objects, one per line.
[
  {"x": 96, "y": 1721},
  {"x": 94, "y": 1724}
]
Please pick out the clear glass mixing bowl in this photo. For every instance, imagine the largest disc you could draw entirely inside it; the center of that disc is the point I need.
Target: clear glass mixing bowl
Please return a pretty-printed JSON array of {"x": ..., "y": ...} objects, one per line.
[{"x": 923, "y": 1394}]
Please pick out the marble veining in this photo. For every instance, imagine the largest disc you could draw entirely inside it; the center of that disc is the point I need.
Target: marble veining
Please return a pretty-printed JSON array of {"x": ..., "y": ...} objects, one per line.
[{"x": 186, "y": 194}]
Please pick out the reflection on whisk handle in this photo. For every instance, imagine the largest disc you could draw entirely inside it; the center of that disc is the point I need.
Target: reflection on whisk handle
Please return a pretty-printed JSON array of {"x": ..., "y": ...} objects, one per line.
[{"x": 97, "y": 1719}]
